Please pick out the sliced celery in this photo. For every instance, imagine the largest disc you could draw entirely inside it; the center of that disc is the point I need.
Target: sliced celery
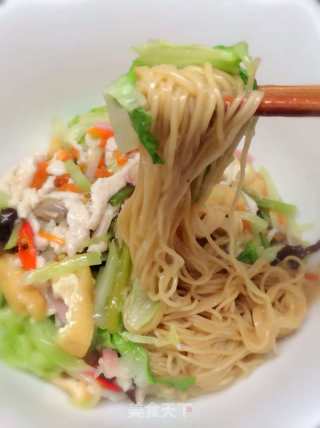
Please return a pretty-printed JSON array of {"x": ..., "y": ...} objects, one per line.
[
  {"x": 258, "y": 224},
  {"x": 115, "y": 301},
  {"x": 53, "y": 270},
  {"x": 119, "y": 197},
  {"x": 140, "y": 311},
  {"x": 13, "y": 240},
  {"x": 4, "y": 200},
  {"x": 78, "y": 176},
  {"x": 105, "y": 282},
  {"x": 277, "y": 206}
]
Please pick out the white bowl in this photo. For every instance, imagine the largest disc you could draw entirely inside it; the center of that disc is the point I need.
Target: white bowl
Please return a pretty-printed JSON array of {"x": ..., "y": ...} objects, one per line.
[{"x": 56, "y": 57}]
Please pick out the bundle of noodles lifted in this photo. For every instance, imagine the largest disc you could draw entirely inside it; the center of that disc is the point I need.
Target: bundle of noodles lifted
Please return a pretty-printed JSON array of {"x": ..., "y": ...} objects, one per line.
[{"x": 207, "y": 297}]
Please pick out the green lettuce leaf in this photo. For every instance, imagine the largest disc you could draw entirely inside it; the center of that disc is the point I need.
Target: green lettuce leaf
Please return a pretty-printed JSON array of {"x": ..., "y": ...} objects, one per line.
[
  {"x": 134, "y": 356},
  {"x": 250, "y": 254},
  {"x": 182, "y": 383},
  {"x": 128, "y": 117},
  {"x": 78, "y": 125},
  {"x": 136, "y": 359},
  {"x": 226, "y": 58},
  {"x": 30, "y": 345},
  {"x": 141, "y": 122},
  {"x": 124, "y": 91},
  {"x": 139, "y": 310},
  {"x": 244, "y": 77},
  {"x": 2, "y": 300}
]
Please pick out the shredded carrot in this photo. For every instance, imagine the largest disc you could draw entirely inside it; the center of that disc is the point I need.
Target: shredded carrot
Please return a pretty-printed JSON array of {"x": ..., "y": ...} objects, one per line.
[
  {"x": 64, "y": 154},
  {"x": 62, "y": 183},
  {"x": 120, "y": 158},
  {"x": 246, "y": 226},
  {"x": 74, "y": 153},
  {"x": 240, "y": 206},
  {"x": 40, "y": 175},
  {"x": 103, "y": 143},
  {"x": 102, "y": 171},
  {"x": 61, "y": 180},
  {"x": 311, "y": 276},
  {"x": 102, "y": 133},
  {"x": 51, "y": 237},
  {"x": 282, "y": 219},
  {"x": 70, "y": 187}
]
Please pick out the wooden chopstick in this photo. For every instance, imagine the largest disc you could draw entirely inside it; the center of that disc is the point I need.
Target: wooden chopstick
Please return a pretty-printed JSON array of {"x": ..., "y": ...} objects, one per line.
[{"x": 288, "y": 101}]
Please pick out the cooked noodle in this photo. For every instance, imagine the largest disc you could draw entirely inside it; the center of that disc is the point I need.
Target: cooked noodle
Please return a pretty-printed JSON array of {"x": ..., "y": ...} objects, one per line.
[{"x": 226, "y": 314}]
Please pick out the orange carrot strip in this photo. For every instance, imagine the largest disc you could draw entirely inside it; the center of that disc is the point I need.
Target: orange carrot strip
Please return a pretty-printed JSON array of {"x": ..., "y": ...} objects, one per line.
[
  {"x": 62, "y": 183},
  {"x": 103, "y": 133},
  {"x": 61, "y": 180},
  {"x": 51, "y": 237},
  {"x": 64, "y": 154},
  {"x": 282, "y": 219},
  {"x": 103, "y": 143},
  {"x": 311, "y": 276},
  {"x": 74, "y": 152},
  {"x": 70, "y": 187},
  {"x": 102, "y": 172},
  {"x": 246, "y": 226},
  {"x": 40, "y": 175},
  {"x": 120, "y": 158}
]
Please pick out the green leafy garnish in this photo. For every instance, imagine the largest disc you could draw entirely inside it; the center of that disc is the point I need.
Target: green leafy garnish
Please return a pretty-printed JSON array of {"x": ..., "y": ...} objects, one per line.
[
  {"x": 2, "y": 300},
  {"x": 182, "y": 383},
  {"x": 264, "y": 241},
  {"x": 134, "y": 355},
  {"x": 277, "y": 206},
  {"x": 131, "y": 123},
  {"x": 244, "y": 77},
  {"x": 265, "y": 205},
  {"x": 79, "y": 124},
  {"x": 139, "y": 310},
  {"x": 141, "y": 122},
  {"x": 124, "y": 91},
  {"x": 105, "y": 282},
  {"x": 114, "y": 304},
  {"x": 4, "y": 200},
  {"x": 53, "y": 270},
  {"x": 250, "y": 253},
  {"x": 226, "y": 58},
  {"x": 77, "y": 176},
  {"x": 30, "y": 345},
  {"x": 137, "y": 360},
  {"x": 123, "y": 194}
]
